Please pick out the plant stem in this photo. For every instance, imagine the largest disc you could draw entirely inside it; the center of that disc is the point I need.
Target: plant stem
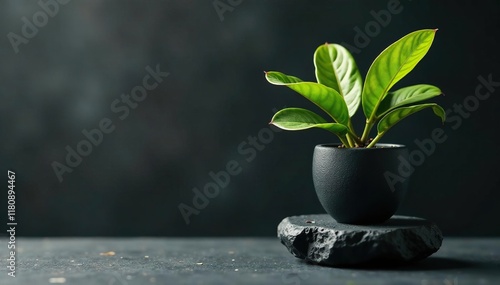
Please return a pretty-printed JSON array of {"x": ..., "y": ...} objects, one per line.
[
  {"x": 366, "y": 132},
  {"x": 375, "y": 140},
  {"x": 352, "y": 135},
  {"x": 344, "y": 141},
  {"x": 355, "y": 138},
  {"x": 351, "y": 128},
  {"x": 349, "y": 140}
]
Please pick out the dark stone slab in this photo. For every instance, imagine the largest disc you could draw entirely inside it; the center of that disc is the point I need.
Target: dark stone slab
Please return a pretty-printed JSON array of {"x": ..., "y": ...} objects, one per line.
[{"x": 320, "y": 239}]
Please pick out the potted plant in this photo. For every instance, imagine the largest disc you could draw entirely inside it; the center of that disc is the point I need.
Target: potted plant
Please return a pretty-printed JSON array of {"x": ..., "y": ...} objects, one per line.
[{"x": 351, "y": 178}]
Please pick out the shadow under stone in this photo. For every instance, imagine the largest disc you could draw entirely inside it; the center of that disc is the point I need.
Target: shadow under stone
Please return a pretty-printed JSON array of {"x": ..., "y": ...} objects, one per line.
[{"x": 428, "y": 264}]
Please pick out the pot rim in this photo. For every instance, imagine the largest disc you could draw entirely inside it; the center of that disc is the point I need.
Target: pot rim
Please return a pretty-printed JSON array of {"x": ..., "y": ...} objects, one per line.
[{"x": 378, "y": 146}]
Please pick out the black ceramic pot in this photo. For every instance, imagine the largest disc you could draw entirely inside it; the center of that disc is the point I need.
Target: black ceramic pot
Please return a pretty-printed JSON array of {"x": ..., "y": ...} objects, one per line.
[{"x": 360, "y": 185}]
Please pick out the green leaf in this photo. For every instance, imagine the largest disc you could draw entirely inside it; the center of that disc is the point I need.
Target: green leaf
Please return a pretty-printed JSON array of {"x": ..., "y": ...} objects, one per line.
[
  {"x": 392, "y": 65},
  {"x": 324, "y": 97},
  {"x": 405, "y": 96},
  {"x": 336, "y": 68},
  {"x": 296, "y": 119},
  {"x": 394, "y": 116}
]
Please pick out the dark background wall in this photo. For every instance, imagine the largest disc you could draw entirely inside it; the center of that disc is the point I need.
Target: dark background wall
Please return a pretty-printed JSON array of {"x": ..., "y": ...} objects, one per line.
[{"x": 65, "y": 78}]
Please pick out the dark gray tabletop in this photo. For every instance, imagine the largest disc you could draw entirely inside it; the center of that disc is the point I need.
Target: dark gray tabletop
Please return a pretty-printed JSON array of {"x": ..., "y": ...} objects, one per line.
[{"x": 127, "y": 261}]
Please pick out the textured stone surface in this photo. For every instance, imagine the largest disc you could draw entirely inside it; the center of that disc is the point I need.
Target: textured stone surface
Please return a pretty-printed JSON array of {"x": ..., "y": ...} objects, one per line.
[
  {"x": 320, "y": 239},
  {"x": 241, "y": 261}
]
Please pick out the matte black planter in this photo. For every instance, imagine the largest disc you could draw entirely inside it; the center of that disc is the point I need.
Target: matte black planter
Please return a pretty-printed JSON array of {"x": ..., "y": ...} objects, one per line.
[{"x": 359, "y": 185}]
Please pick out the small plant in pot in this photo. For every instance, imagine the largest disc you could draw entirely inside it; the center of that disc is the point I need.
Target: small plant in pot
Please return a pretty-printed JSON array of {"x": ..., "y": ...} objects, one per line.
[{"x": 354, "y": 179}]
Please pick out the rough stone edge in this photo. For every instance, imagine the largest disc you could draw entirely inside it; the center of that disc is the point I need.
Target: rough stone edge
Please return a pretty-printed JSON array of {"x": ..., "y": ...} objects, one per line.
[{"x": 312, "y": 233}]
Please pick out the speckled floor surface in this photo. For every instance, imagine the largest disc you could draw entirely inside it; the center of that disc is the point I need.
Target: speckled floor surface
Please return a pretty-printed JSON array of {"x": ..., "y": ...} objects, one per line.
[{"x": 127, "y": 261}]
